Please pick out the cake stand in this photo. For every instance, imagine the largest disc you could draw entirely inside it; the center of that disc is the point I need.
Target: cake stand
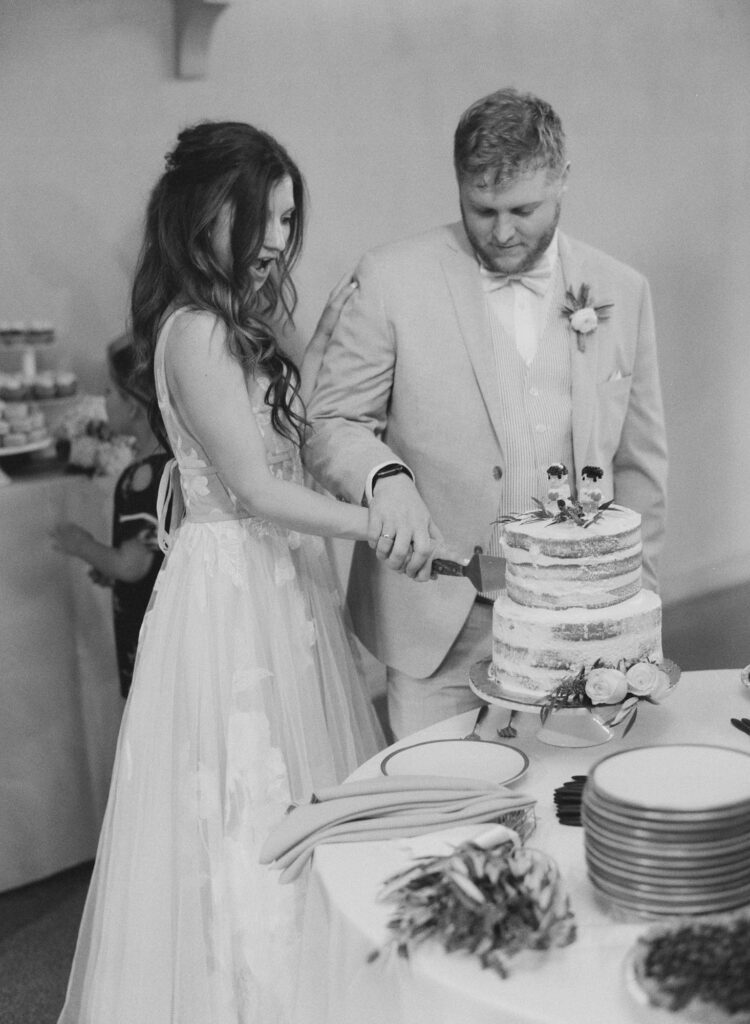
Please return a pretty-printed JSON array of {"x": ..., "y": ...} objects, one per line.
[
  {"x": 21, "y": 449},
  {"x": 478, "y": 676},
  {"x": 563, "y": 727}
]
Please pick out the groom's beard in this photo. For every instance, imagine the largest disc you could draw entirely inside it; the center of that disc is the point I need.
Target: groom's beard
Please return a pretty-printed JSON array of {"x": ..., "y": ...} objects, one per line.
[{"x": 530, "y": 250}]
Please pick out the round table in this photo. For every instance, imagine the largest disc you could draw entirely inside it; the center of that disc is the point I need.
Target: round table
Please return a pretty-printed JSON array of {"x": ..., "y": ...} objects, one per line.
[{"x": 580, "y": 984}]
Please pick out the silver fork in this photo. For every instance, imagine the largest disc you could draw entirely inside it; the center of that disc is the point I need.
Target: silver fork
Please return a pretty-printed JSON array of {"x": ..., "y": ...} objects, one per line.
[
  {"x": 508, "y": 731},
  {"x": 474, "y": 735}
]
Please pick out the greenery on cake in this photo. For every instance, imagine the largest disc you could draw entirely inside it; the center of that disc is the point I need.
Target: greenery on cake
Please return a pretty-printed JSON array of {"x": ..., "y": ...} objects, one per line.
[
  {"x": 626, "y": 684},
  {"x": 570, "y": 511},
  {"x": 490, "y": 897}
]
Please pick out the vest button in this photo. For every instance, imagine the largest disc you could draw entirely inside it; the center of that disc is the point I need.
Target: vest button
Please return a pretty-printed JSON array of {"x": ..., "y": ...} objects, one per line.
[
  {"x": 478, "y": 549},
  {"x": 497, "y": 472}
]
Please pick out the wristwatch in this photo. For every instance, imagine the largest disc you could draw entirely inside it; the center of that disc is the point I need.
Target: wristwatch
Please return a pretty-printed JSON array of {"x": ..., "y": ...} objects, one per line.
[{"x": 392, "y": 469}]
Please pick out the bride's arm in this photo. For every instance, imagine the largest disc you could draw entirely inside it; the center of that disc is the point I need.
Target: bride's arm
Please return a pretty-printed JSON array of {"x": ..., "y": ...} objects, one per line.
[{"x": 209, "y": 388}]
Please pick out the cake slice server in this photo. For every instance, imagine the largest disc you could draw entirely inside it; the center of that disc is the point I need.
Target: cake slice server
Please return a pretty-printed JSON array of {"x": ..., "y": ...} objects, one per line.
[{"x": 485, "y": 572}]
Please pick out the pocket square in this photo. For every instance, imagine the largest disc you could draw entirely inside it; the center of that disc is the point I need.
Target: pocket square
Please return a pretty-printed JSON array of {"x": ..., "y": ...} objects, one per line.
[{"x": 617, "y": 375}]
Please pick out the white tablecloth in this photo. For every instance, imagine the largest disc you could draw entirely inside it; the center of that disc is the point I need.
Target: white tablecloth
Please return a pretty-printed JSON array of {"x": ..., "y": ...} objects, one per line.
[
  {"x": 60, "y": 704},
  {"x": 580, "y": 984}
]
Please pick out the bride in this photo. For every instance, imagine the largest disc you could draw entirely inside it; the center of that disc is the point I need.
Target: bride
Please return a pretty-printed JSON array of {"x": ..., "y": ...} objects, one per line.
[{"x": 246, "y": 692}]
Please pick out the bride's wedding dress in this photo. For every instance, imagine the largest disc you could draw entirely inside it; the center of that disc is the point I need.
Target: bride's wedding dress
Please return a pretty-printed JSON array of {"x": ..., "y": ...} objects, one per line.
[{"x": 246, "y": 696}]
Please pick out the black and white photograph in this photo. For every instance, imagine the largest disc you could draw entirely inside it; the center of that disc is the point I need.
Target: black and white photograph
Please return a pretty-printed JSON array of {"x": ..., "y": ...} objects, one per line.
[{"x": 374, "y": 558}]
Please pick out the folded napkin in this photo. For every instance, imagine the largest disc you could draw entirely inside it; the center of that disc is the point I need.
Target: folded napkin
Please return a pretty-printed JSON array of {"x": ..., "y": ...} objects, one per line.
[{"x": 388, "y": 807}]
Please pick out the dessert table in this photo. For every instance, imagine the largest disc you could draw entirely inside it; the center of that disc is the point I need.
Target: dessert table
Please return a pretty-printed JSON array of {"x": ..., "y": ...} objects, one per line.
[
  {"x": 580, "y": 984},
  {"x": 60, "y": 705}
]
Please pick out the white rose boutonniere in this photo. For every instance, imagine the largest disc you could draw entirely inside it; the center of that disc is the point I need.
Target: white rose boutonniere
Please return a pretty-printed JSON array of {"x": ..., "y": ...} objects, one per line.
[
  {"x": 584, "y": 321},
  {"x": 583, "y": 314}
]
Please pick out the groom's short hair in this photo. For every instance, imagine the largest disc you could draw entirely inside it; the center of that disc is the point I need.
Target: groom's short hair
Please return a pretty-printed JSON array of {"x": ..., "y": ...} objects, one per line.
[{"x": 506, "y": 134}]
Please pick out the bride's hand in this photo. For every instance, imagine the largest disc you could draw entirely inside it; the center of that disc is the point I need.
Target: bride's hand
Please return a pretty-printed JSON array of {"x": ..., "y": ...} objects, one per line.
[
  {"x": 313, "y": 356},
  {"x": 336, "y": 301}
]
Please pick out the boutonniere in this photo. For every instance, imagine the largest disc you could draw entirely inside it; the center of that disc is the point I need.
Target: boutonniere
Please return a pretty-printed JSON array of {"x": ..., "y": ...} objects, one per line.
[{"x": 582, "y": 313}]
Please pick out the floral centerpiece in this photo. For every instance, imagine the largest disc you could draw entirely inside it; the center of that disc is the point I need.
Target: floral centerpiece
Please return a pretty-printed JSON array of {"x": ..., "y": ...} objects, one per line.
[
  {"x": 86, "y": 442},
  {"x": 625, "y": 685},
  {"x": 490, "y": 897}
]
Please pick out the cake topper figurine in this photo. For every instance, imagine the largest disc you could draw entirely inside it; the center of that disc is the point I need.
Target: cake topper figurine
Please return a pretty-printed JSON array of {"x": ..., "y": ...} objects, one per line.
[
  {"x": 558, "y": 506},
  {"x": 559, "y": 488},
  {"x": 590, "y": 494}
]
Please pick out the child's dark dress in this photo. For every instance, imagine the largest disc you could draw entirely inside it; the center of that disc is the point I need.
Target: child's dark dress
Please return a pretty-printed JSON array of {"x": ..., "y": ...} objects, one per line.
[{"x": 134, "y": 516}]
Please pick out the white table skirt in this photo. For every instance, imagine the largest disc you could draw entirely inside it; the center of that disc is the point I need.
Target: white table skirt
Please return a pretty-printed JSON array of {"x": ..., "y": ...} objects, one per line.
[
  {"x": 580, "y": 984},
  {"x": 60, "y": 704}
]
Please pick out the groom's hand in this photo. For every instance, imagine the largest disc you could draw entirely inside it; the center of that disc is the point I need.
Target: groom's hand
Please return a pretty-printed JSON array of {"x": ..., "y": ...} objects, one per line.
[{"x": 400, "y": 529}]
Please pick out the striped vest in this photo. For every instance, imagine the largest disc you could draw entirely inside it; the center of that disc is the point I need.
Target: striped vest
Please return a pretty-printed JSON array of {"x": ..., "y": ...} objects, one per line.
[{"x": 536, "y": 404}]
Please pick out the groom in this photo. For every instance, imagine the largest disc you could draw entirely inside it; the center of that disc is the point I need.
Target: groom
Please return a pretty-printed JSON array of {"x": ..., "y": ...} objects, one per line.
[{"x": 460, "y": 369}]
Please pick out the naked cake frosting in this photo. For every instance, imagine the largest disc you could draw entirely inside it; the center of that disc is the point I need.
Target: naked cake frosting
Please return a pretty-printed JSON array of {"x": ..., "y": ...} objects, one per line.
[{"x": 573, "y": 598}]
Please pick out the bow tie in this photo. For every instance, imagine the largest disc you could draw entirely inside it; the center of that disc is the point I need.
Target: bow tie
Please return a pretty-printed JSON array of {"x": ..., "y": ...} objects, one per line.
[{"x": 536, "y": 279}]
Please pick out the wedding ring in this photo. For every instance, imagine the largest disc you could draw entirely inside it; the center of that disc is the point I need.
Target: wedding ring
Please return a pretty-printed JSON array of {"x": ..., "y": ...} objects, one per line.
[{"x": 388, "y": 536}]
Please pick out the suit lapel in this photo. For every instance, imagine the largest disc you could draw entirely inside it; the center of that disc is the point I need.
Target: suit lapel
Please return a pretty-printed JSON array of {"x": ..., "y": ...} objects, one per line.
[
  {"x": 583, "y": 364},
  {"x": 464, "y": 285},
  {"x": 465, "y": 288}
]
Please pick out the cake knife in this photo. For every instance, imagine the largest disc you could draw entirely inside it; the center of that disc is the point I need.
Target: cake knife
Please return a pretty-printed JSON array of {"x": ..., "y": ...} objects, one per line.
[{"x": 485, "y": 572}]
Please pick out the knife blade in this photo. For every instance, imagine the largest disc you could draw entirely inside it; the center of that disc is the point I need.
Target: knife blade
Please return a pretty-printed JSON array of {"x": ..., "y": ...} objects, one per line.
[{"x": 484, "y": 572}]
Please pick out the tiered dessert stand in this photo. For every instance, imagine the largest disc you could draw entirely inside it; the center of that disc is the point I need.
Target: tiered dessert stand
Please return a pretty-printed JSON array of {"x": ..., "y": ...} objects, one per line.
[
  {"x": 23, "y": 449},
  {"x": 27, "y": 351}
]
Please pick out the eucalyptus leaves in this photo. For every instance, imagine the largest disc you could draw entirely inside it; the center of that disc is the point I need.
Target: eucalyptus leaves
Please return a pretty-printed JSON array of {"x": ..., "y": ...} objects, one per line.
[{"x": 491, "y": 897}]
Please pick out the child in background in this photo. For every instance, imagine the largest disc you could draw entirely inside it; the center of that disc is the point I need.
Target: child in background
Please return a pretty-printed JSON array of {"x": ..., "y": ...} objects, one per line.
[{"x": 130, "y": 566}]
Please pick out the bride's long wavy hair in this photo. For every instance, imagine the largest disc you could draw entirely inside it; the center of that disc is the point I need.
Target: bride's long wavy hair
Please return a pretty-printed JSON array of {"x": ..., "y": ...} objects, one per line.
[{"x": 215, "y": 166}]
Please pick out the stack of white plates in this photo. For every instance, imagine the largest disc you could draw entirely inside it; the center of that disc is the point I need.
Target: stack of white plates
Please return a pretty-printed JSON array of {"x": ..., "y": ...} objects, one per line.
[{"x": 667, "y": 829}]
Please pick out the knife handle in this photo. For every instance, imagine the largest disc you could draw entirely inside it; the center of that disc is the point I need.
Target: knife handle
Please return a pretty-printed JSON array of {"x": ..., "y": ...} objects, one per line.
[{"x": 444, "y": 567}]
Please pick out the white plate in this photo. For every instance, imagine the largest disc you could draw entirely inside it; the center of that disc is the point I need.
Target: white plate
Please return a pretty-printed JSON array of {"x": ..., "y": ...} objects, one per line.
[
  {"x": 686, "y": 777},
  {"x": 733, "y": 818},
  {"x": 730, "y": 899},
  {"x": 467, "y": 759},
  {"x": 34, "y": 446}
]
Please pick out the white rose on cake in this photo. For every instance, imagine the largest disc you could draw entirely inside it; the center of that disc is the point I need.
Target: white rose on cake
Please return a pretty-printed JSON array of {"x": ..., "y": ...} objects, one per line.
[
  {"x": 606, "y": 686},
  {"x": 645, "y": 679}
]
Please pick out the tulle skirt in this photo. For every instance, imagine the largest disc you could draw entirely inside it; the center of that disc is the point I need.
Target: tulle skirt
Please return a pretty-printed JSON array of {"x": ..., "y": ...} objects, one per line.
[{"x": 246, "y": 695}]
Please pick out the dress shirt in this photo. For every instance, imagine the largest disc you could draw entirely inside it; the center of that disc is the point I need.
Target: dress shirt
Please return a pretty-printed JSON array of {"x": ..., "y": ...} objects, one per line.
[{"x": 519, "y": 302}]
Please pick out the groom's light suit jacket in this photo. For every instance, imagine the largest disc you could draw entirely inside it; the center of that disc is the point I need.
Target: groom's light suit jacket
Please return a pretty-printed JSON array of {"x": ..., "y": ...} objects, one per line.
[{"x": 410, "y": 373}]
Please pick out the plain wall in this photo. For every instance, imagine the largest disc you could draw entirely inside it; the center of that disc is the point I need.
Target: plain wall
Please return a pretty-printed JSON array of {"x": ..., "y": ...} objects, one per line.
[{"x": 652, "y": 93}]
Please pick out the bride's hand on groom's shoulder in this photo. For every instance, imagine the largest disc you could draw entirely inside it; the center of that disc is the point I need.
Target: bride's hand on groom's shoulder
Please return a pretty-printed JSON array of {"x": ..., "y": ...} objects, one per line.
[
  {"x": 338, "y": 298},
  {"x": 315, "y": 350}
]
